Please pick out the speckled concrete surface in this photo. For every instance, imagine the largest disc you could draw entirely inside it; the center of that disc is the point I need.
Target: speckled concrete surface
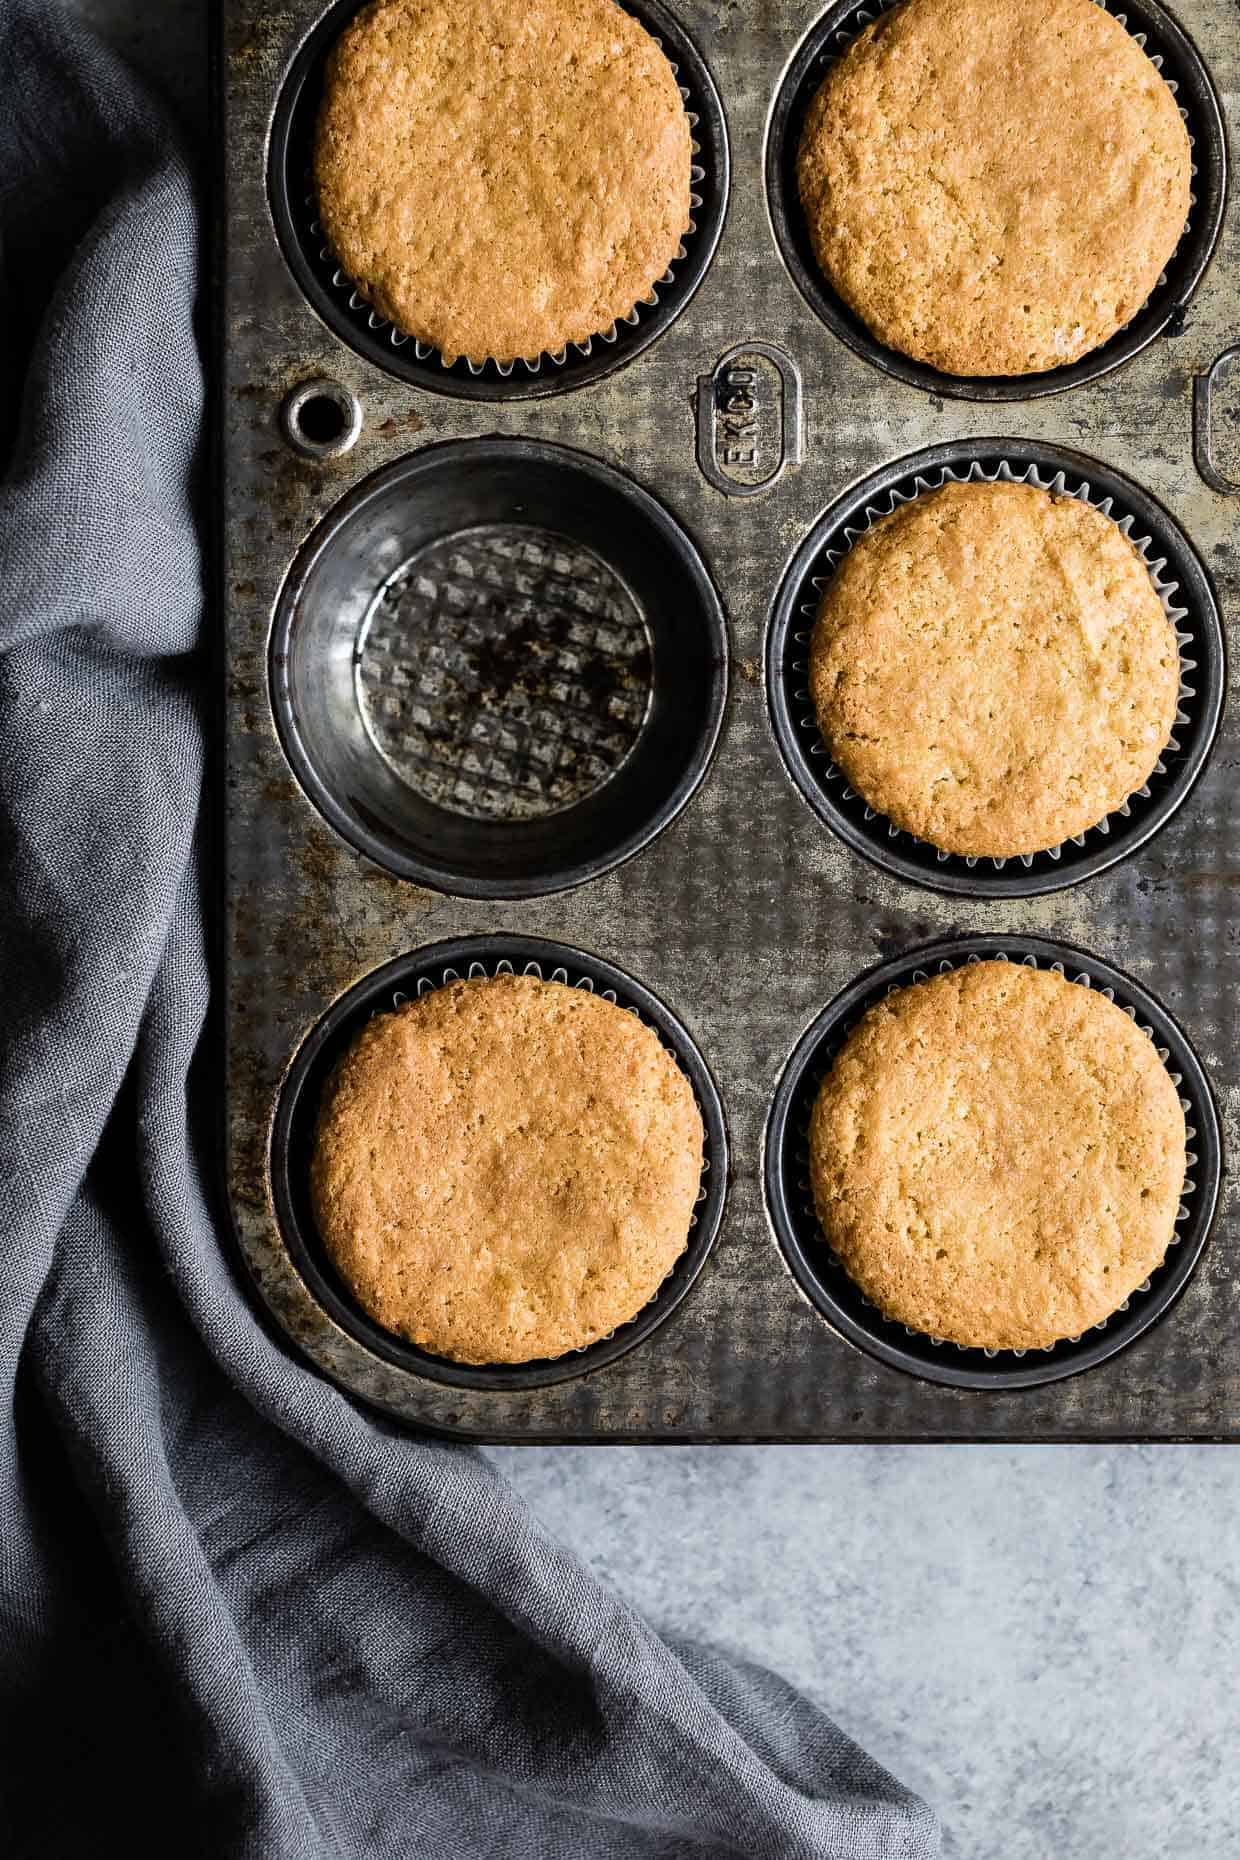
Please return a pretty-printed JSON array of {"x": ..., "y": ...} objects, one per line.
[{"x": 1040, "y": 1639}]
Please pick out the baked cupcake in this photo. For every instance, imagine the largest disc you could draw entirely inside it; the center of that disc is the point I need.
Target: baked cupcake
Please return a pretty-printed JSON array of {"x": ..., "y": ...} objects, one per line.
[
  {"x": 992, "y": 668},
  {"x": 506, "y": 1169},
  {"x": 997, "y": 1157},
  {"x": 994, "y": 188},
  {"x": 500, "y": 179}
]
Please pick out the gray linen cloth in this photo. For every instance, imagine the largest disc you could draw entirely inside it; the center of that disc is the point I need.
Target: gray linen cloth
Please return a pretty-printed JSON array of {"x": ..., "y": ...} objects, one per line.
[{"x": 240, "y": 1616}]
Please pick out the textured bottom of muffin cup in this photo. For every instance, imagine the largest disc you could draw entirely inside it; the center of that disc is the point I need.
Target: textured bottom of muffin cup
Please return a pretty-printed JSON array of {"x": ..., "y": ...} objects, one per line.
[
  {"x": 826, "y": 1282},
  {"x": 1171, "y": 53},
  {"x": 494, "y": 708},
  {"x": 1177, "y": 577},
  {"x": 408, "y": 978}
]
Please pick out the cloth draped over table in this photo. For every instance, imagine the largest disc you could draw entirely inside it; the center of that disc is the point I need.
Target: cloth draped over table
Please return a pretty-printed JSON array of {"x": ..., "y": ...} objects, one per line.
[{"x": 239, "y": 1615}]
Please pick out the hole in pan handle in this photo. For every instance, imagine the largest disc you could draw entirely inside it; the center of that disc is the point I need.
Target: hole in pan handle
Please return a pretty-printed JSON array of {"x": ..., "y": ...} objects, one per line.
[
  {"x": 1204, "y": 386},
  {"x": 321, "y": 419}
]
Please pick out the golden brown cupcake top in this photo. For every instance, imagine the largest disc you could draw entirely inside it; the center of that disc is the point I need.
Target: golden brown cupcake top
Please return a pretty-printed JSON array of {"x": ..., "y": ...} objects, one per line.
[
  {"x": 500, "y": 179},
  {"x": 506, "y": 1169},
  {"x": 994, "y": 187},
  {"x": 992, "y": 668},
  {"x": 997, "y": 1156}
]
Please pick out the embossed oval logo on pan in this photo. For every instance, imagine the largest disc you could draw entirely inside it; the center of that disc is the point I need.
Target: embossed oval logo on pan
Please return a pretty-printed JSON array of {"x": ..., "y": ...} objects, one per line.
[{"x": 749, "y": 419}]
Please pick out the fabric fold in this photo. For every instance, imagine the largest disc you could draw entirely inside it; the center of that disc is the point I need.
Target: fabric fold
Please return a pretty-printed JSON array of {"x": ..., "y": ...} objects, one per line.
[{"x": 237, "y": 1611}]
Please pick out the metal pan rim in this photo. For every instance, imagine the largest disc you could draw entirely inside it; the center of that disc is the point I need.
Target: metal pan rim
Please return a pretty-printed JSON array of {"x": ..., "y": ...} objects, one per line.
[
  {"x": 443, "y": 877},
  {"x": 890, "y": 851},
  {"x": 466, "y": 955},
  {"x": 1189, "y": 263},
  {"x": 952, "y": 1365}
]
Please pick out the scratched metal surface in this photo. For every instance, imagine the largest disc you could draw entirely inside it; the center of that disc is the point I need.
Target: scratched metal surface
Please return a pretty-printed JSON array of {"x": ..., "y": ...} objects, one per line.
[{"x": 746, "y": 915}]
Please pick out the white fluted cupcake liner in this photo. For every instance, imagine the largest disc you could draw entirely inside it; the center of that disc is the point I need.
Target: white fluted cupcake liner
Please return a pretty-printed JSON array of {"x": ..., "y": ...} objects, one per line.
[
  {"x": 1080, "y": 977},
  {"x": 866, "y": 16},
  {"x": 297, "y": 1114},
  {"x": 354, "y": 299},
  {"x": 1056, "y": 482}
]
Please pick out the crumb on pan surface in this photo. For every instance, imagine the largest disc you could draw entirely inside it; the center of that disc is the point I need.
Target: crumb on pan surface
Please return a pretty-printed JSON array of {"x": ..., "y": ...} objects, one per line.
[
  {"x": 501, "y": 179},
  {"x": 506, "y": 1169},
  {"x": 997, "y": 1156},
  {"x": 994, "y": 187},
  {"x": 992, "y": 668}
]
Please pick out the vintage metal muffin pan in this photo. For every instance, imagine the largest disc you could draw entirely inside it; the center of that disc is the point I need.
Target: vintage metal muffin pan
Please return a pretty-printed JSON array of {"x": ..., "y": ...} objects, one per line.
[
  {"x": 514, "y": 706},
  {"x": 646, "y": 522}
]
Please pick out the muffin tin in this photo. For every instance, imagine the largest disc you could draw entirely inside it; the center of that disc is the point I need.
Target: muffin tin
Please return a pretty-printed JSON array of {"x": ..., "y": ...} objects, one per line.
[
  {"x": 651, "y": 816},
  {"x": 515, "y": 707}
]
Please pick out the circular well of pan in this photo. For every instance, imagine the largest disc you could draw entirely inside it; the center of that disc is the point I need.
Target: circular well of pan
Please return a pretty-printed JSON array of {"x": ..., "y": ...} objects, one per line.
[
  {"x": 404, "y": 979},
  {"x": 290, "y": 187},
  {"x": 824, "y": 1281},
  {"x": 1188, "y": 599},
  {"x": 498, "y": 667},
  {"x": 1175, "y": 55}
]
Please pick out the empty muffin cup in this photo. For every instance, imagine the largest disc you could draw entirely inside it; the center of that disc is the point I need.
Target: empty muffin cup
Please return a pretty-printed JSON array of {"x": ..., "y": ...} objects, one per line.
[
  {"x": 1169, "y": 49},
  {"x": 1179, "y": 579},
  {"x": 344, "y": 307},
  {"x": 406, "y": 979},
  {"x": 498, "y": 668},
  {"x": 823, "y": 1279}
]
